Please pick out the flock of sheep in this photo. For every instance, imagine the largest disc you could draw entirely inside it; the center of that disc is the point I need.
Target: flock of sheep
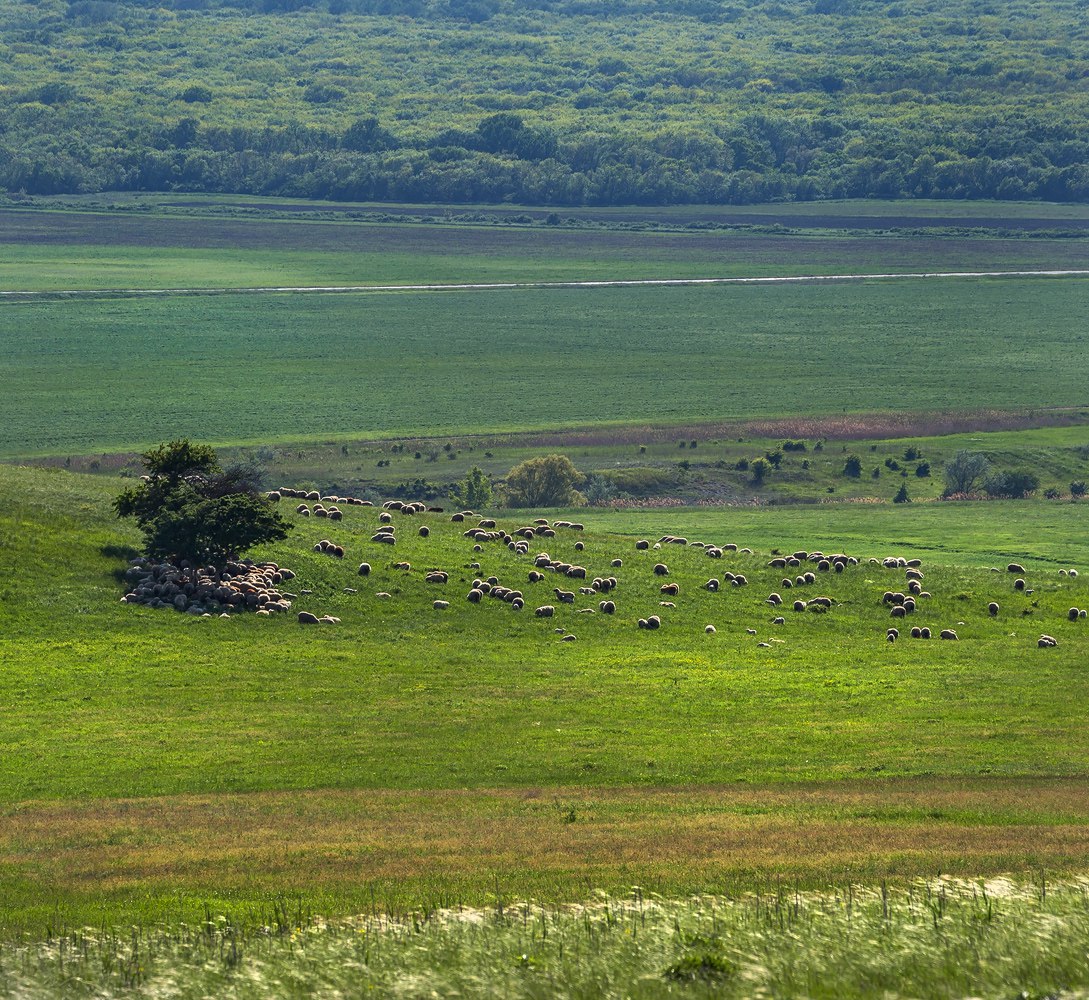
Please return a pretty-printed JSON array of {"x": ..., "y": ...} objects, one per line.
[
  {"x": 249, "y": 586},
  {"x": 801, "y": 570}
]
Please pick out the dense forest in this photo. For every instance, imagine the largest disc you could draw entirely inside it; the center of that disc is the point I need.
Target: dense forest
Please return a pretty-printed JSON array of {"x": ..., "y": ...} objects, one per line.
[{"x": 548, "y": 102}]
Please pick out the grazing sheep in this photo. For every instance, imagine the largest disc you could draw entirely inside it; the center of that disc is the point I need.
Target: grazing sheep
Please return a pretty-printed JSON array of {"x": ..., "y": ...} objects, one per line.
[
  {"x": 1015, "y": 568},
  {"x": 335, "y": 515},
  {"x": 440, "y": 605},
  {"x": 654, "y": 622},
  {"x": 474, "y": 596},
  {"x": 607, "y": 607},
  {"x": 642, "y": 623},
  {"x": 338, "y": 551},
  {"x": 671, "y": 589},
  {"x": 535, "y": 577},
  {"x": 306, "y": 618},
  {"x": 517, "y": 604},
  {"x": 402, "y": 565},
  {"x": 948, "y": 633},
  {"x": 778, "y": 564},
  {"x": 916, "y": 632},
  {"x": 424, "y": 531},
  {"x": 642, "y": 544},
  {"x": 385, "y": 517},
  {"x": 1046, "y": 641},
  {"x": 913, "y": 574},
  {"x": 924, "y": 633},
  {"x": 564, "y": 596},
  {"x": 993, "y": 608},
  {"x": 617, "y": 563},
  {"x": 661, "y": 569},
  {"x": 899, "y": 611},
  {"x": 666, "y": 604},
  {"x": 709, "y": 629},
  {"x": 711, "y": 585},
  {"x": 1073, "y": 614},
  {"x": 1018, "y": 584},
  {"x": 892, "y": 635},
  {"x": 778, "y": 621},
  {"x": 1073, "y": 574},
  {"x": 915, "y": 587},
  {"x": 579, "y": 546},
  {"x": 457, "y": 517},
  {"x": 545, "y": 611},
  {"x": 774, "y": 600},
  {"x": 799, "y": 605}
]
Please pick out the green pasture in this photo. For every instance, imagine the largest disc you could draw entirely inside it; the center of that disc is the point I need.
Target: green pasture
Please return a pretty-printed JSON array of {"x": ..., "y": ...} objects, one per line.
[
  {"x": 94, "y": 376},
  {"x": 130, "y": 733}
]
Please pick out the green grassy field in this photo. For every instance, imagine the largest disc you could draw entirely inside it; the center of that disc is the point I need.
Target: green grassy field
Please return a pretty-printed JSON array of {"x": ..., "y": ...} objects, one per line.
[
  {"x": 279, "y": 367},
  {"x": 419, "y": 755},
  {"x": 68, "y": 250}
]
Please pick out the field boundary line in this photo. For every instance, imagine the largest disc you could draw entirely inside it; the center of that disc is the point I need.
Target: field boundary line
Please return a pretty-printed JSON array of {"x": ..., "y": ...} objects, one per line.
[{"x": 522, "y": 285}]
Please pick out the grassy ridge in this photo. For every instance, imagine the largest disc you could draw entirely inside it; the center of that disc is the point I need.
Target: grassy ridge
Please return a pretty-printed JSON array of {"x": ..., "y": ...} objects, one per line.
[{"x": 283, "y": 367}]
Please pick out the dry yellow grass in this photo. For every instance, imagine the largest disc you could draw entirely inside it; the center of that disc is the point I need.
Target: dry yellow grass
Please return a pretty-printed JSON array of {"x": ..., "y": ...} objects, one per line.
[{"x": 408, "y": 848}]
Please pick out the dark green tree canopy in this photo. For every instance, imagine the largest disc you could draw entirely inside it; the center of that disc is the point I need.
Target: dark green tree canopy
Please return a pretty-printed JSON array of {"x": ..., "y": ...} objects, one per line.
[
  {"x": 190, "y": 508},
  {"x": 544, "y": 482}
]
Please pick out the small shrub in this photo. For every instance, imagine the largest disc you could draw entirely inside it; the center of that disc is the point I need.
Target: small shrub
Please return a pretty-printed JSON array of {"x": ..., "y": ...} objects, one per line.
[
  {"x": 891, "y": 463},
  {"x": 1077, "y": 488},
  {"x": 853, "y": 466},
  {"x": 793, "y": 446},
  {"x": 922, "y": 470},
  {"x": 912, "y": 455},
  {"x": 902, "y": 495},
  {"x": 1052, "y": 494},
  {"x": 742, "y": 465}
]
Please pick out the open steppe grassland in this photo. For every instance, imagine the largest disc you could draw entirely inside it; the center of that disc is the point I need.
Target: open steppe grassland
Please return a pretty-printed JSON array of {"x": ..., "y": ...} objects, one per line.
[{"x": 157, "y": 762}]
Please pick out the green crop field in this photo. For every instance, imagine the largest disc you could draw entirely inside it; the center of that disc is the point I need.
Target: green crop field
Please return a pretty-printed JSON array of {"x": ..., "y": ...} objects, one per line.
[
  {"x": 94, "y": 376},
  {"x": 78, "y": 250}
]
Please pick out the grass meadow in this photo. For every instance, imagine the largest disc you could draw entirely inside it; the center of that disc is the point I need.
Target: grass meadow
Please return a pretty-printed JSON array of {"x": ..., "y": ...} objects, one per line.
[
  {"x": 90, "y": 377},
  {"x": 156, "y": 763},
  {"x": 932, "y": 938}
]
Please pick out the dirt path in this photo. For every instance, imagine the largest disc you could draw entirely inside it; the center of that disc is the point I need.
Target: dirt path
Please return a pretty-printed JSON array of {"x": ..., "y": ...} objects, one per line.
[{"x": 520, "y": 285}]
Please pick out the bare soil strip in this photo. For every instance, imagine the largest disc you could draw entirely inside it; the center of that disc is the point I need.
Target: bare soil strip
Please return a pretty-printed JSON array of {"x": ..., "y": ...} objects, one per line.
[{"x": 522, "y": 285}]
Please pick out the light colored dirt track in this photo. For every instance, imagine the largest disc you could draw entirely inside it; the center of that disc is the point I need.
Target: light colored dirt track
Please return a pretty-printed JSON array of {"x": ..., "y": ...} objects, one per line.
[{"x": 522, "y": 285}]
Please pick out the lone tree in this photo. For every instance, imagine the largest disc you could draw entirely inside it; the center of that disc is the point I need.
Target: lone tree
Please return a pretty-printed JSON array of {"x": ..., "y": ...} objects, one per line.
[
  {"x": 853, "y": 467},
  {"x": 191, "y": 508},
  {"x": 965, "y": 471},
  {"x": 544, "y": 482},
  {"x": 474, "y": 491}
]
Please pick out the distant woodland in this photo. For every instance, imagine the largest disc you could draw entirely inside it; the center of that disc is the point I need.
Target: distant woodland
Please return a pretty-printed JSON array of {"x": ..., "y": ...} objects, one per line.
[{"x": 548, "y": 102}]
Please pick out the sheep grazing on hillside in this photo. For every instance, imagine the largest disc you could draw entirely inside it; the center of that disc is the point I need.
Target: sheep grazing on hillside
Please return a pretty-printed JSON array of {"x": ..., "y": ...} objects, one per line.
[
  {"x": 670, "y": 589},
  {"x": 892, "y": 634},
  {"x": 1046, "y": 641},
  {"x": 924, "y": 633},
  {"x": 617, "y": 563},
  {"x": 661, "y": 569},
  {"x": 774, "y": 600},
  {"x": 1018, "y": 584},
  {"x": 474, "y": 596},
  {"x": 993, "y": 608},
  {"x": 564, "y": 596},
  {"x": 440, "y": 605},
  {"x": 916, "y": 632},
  {"x": 424, "y": 531},
  {"x": 800, "y": 605},
  {"x": 642, "y": 544},
  {"x": 1015, "y": 568},
  {"x": 545, "y": 611},
  {"x": 711, "y": 585},
  {"x": 385, "y": 517},
  {"x": 306, "y": 618},
  {"x": 1073, "y": 614},
  {"x": 948, "y": 633},
  {"x": 607, "y": 607}
]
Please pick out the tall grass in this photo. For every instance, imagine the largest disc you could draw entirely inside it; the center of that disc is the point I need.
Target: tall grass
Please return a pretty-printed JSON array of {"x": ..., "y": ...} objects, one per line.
[{"x": 934, "y": 938}]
